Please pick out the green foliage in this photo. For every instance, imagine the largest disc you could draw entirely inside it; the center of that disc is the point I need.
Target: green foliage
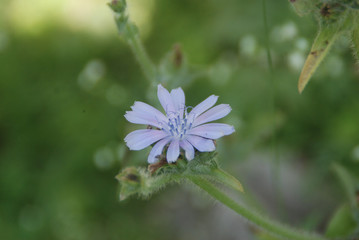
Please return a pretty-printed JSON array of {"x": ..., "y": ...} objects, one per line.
[
  {"x": 345, "y": 221},
  {"x": 350, "y": 185},
  {"x": 51, "y": 128},
  {"x": 146, "y": 182},
  {"x": 342, "y": 224},
  {"x": 355, "y": 38},
  {"x": 270, "y": 226},
  {"x": 323, "y": 42},
  {"x": 335, "y": 18},
  {"x": 303, "y": 7}
]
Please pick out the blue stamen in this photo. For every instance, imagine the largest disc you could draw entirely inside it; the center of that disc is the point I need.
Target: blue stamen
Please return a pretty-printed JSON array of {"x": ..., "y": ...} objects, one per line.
[{"x": 177, "y": 125}]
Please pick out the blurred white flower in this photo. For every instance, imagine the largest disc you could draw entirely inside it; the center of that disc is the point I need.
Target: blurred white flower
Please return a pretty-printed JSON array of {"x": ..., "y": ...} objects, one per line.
[
  {"x": 220, "y": 73},
  {"x": 296, "y": 60},
  {"x": 248, "y": 46},
  {"x": 302, "y": 44},
  {"x": 285, "y": 32},
  {"x": 92, "y": 73}
]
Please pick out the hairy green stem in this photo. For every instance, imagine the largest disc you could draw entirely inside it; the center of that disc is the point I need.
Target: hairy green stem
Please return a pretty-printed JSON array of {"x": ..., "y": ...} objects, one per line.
[
  {"x": 273, "y": 228},
  {"x": 139, "y": 51},
  {"x": 355, "y": 37}
]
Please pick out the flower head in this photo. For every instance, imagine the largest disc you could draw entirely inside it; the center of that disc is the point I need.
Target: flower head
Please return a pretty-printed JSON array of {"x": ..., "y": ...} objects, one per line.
[{"x": 177, "y": 128}]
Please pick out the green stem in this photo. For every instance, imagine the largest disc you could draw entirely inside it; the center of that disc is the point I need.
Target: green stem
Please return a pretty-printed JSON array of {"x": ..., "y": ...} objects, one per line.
[
  {"x": 273, "y": 228},
  {"x": 129, "y": 32},
  {"x": 355, "y": 37},
  {"x": 140, "y": 53},
  {"x": 266, "y": 33},
  {"x": 276, "y": 160}
]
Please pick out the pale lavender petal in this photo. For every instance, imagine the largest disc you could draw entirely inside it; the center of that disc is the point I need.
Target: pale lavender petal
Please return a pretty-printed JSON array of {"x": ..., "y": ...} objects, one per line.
[
  {"x": 142, "y": 118},
  {"x": 173, "y": 151},
  {"x": 201, "y": 144},
  {"x": 203, "y": 106},
  {"x": 212, "y": 130},
  {"x": 213, "y": 114},
  {"x": 165, "y": 100},
  {"x": 148, "y": 109},
  {"x": 143, "y": 138},
  {"x": 157, "y": 150},
  {"x": 188, "y": 148},
  {"x": 178, "y": 100}
]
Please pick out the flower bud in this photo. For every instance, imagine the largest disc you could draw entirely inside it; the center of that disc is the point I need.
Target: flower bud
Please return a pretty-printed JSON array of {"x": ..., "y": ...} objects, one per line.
[
  {"x": 118, "y": 6},
  {"x": 130, "y": 179}
]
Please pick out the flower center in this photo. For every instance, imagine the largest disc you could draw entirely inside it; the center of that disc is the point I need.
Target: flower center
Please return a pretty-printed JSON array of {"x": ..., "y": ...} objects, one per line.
[{"x": 178, "y": 126}]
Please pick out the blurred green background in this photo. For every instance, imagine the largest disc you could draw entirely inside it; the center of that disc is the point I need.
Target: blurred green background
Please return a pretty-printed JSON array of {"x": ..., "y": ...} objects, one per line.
[{"x": 66, "y": 81}]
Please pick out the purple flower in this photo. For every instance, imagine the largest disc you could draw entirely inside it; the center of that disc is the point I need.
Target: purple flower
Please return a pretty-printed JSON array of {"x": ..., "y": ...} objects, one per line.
[{"x": 177, "y": 128}]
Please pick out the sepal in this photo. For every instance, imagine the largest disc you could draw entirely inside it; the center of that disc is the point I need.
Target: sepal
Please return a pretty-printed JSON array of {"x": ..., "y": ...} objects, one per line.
[{"x": 144, "y": 182}]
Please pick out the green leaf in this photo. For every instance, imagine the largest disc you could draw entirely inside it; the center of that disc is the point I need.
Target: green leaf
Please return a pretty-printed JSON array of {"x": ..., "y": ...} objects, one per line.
[
  {"x": 227, "y": 179},
  {"x": 342, "y": 224},
  {"x": 334, "y": 19},
  {"x": 320, "y": 48},
  {"x": 206, "y": 166},
  {"x": 349, "y": 183},
  {"x": 303, "y": 7}
]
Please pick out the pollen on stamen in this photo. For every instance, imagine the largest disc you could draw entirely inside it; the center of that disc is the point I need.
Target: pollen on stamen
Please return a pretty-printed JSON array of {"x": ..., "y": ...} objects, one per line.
[{"x": 177, "y": 125}]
